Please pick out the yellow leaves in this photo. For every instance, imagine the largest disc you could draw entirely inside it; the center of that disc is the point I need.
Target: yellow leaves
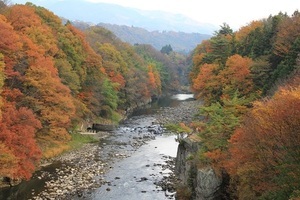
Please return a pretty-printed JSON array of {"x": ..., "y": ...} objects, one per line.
[
  {"x": 8, "y": 161},
  {"x": 197, "y": 59},
  {"x": 59, "y": 134},
  {"x": 51, "y": 147}
]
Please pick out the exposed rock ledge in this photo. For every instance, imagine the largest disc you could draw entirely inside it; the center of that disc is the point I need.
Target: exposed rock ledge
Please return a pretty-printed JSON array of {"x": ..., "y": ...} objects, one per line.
[{"x": 204, "y": 182}]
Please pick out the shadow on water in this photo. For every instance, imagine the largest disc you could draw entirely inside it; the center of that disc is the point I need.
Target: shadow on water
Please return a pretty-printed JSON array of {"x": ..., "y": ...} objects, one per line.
[{"x": 27, "y": 189}]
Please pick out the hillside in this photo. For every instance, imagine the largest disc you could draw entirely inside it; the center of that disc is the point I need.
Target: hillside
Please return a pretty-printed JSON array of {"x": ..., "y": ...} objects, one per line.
[
  {"x": 249, "y": 81},
  {"x": 56, "y": 80},
  {"x": 114, "y": 14},
  {"x": 180, "y": 41}
]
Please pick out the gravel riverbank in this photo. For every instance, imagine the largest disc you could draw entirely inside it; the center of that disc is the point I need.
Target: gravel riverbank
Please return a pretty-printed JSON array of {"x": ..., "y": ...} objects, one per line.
[{"x": 83, "y": 169}]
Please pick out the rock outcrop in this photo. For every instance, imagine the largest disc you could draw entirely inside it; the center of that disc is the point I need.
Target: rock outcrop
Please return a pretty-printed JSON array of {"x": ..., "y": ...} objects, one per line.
[{"x": 204, "y": 183}]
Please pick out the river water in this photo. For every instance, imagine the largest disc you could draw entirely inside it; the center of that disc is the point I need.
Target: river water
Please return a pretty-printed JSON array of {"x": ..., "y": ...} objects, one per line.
[
  {"x": 134, "y": 178},
  {"x": 136, "y": 173}
]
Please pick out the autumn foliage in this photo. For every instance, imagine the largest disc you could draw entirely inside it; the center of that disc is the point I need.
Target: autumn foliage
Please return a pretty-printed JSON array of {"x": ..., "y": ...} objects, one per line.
[
  {"x": 55, "y": 79},
  {"x": 20, "y": 153},
  {"x": 249, "y": 82},
  {"x": 264, "y": 153}
]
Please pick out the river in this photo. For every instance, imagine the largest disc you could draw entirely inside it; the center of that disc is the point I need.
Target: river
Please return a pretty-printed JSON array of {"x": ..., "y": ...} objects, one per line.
[{"x": 138, "y": 161}]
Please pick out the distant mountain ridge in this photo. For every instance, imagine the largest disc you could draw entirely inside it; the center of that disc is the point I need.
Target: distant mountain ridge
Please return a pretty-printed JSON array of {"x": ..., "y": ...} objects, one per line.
[
  {"x": 180, "y": 41},
  {"x": 114, "y": 14}
]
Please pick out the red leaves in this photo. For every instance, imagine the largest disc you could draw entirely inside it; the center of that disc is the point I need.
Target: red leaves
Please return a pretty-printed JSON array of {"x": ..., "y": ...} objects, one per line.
[{"x": 17, "y": 138}]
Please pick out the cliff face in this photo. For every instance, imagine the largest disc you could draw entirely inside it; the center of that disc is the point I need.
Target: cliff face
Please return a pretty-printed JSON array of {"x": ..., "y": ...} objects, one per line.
[{"x": 203, "y": 182}]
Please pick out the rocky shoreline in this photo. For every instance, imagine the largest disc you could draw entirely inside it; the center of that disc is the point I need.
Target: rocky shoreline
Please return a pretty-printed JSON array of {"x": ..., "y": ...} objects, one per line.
[{"x": 82, "y": 171}]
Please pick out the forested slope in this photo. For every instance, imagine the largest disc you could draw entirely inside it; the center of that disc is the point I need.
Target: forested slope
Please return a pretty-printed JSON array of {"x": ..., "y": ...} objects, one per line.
[
  {"x": 250, "y": 83},
  {"x": 180, "y": 41},
  {"x": 56, "y": 80}
]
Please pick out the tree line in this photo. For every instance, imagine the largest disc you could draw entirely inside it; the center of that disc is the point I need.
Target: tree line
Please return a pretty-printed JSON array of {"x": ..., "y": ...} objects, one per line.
[{"x": 249, "y": 82}]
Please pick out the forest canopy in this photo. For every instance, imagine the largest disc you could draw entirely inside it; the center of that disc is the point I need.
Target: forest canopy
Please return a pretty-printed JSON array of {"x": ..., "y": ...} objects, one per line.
[{"x": 249, "y": 82}]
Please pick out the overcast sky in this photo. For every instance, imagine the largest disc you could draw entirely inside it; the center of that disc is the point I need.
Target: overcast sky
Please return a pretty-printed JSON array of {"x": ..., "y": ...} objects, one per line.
[{"x": 236, "y": 13}]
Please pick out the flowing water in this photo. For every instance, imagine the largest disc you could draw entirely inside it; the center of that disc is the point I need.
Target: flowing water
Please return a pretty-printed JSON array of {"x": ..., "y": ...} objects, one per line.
[{"x": 133, "y": 177}]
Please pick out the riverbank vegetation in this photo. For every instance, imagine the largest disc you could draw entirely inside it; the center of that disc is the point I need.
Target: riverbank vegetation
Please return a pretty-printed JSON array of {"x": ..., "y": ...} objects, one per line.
[
  {"x": 56, "y": 80},
  {"x": 250, "y": 83}
]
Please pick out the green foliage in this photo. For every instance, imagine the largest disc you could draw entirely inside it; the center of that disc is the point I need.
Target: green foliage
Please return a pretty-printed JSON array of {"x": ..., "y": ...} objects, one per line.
[
  {"x": 178, "y": 128},
  {"x": 166, "y": 49},
  {"x": 49, "y": 70},
  {"x": 116, "y": 117},
  {"x": 162, "y": 63},
  {"x": 257, "y": 149},
  {"x": 221, "y": 50},
  {"x": 180, "y": 41},
  {"x": 78, "y": 140},
  {"x": 72, "y": 48},
  {"x": 220, "y": 125},
  {"x": 109, "y": 94},
  {"x": 224, "y": 30},
  {"x": 288, "y": 65},
  {"x": 68, "y": 75},
  {"x": 261, "y": 72}
]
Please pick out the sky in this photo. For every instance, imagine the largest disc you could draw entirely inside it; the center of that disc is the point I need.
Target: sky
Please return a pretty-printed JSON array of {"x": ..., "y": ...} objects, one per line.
[{"x": 236, "y": 13}]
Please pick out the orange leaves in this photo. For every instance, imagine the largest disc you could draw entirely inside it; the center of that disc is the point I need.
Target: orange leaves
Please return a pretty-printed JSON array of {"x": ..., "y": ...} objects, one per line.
[
  {"x": 237, "y": 68},
  {"x": 55, "y": 101},
  {"x": 9, "y": 39},
  {"x": 46, "y": 68},
  {"x": 288, "y": 32},
  {"x": 212, "y": 81},
  {"x": 117, "y": 78},
  {"x": 44, "y": 90},
  {"x": 23, "y": 17},
  {"x": 151, "y": 77},
  {"x": 207, "y": 72},
  {"x": 9, "y": 45},
  {"x": 246, "y": 30},
  {"x": 267, "y": 144},
  {"x": 154, "y": 80},
  {"x": 206, "y": 82},
  {"x": 29, "y": 24},
  {"x": 236, "y": 74}
]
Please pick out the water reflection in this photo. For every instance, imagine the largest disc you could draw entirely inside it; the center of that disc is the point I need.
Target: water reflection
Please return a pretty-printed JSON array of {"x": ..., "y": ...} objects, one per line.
[
  {"x": 165, "y": 101},
  {"x": 183, "y": 97}
]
